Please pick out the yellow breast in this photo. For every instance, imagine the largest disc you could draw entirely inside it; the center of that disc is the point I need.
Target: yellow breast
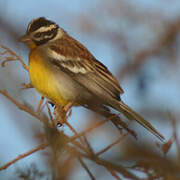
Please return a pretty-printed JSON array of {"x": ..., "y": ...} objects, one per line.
[{"x": 44, "y": 80}]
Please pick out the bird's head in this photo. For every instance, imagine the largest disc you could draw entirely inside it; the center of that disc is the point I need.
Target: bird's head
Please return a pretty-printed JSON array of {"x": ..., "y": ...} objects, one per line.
[{"x": 41, "y": 31}]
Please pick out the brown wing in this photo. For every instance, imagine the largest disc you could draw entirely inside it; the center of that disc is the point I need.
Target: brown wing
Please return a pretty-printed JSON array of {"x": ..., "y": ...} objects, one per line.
[
  {"x": 107, "y": 76},
  {"x": 75, "y": 59}
]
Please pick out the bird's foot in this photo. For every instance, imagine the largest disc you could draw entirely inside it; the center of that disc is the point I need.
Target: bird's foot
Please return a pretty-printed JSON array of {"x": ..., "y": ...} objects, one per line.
[{"x": 62, "y": 113}]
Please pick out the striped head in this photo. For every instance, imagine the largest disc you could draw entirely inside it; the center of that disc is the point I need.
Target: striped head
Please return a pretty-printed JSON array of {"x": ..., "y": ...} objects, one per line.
[{"x": 40, "y": 31}]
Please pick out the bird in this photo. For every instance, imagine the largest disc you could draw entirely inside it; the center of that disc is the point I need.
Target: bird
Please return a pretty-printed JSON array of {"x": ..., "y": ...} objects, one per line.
[{"x": 64, "y": 71}]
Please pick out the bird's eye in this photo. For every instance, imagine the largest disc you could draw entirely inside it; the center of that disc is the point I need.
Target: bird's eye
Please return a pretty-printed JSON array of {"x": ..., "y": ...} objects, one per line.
[{"x": 37, "y": 35}]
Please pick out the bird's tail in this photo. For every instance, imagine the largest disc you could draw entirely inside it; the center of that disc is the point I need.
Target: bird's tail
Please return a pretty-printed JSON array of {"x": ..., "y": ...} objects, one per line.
[{"x": 132, "y": 115}]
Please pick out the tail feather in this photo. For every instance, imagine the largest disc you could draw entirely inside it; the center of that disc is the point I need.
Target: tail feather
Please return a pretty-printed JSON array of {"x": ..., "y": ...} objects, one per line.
[{"x": 132, "y": 115}]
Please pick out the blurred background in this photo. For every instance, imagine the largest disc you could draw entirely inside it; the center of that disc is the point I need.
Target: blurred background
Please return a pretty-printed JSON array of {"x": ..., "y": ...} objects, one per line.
[{"x": 137, "y": 40}]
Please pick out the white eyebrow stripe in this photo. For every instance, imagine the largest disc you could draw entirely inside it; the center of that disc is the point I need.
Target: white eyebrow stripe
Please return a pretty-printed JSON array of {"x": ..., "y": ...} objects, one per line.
[{"x": 45, "y": 28}]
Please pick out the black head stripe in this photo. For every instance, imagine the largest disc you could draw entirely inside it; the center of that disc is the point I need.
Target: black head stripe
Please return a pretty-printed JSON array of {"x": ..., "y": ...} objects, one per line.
[
  {"x": 38, "y": 23},
  {"x": 46, "y": 36}
]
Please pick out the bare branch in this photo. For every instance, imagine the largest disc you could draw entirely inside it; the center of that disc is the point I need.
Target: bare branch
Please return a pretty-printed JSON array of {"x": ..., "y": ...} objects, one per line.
[
  {"x": 38, "y": 148},
  {"x": 114, "y": 174},
  {"x": 14, "y": 57},
  {"x": 111, "y": 145},
  {"x": 86, "y": 168},
  {"x": 22, "y": 107}
]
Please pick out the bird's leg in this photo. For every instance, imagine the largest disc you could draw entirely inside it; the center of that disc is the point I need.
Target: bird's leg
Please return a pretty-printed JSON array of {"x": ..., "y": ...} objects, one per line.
[
  {"x": 50, "y": 114},
  {"x": 59, "y": 115},
  {"x": 39, "y": 108},
  {"x": 62, "y": 113}
]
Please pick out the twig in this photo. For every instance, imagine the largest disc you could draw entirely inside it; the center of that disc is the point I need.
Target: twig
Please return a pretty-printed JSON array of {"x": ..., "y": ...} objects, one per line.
[
  {"x": 113, "y": 174},
  {"x": 38, "y": 148},
  {"x": 88, "y": 145},
  {"x": 111, "y": 145},
  {"x": 113, "y": 166},
  {"x": 87, "y": 150},
  {"x": 40, "y": 104},
  {"x": 105, "y": 163},
  {"x": 74, "y": 131},
  {"x": 175, "y": 135},
  {"x": 17, "y": 58},
  {"x": 77, "y": 144},
  {"x": 92, "y": 153},
  {"x": 86, "y": 168},
  {"x": 26, "y": 86},
  {"x": 21, "y": 106},
  {"x": 91, "y": 128}
]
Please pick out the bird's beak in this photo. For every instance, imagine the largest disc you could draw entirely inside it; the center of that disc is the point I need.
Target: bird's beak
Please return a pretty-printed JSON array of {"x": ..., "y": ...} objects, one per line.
[{"x": 24, "y": 38}]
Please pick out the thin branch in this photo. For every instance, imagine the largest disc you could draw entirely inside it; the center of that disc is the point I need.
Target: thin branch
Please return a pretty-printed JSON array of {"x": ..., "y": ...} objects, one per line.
[
  {"x": 114, "y": 174},
  {"x": 77, "y": 144},
  {"x": 88, "y": 145},
  {"x": 26, "y": 86},
  {"x": 92, "y": 153},
  {"x": 74, "y": 131},
  {"x": 111, "y": 145},
  {"x": 38, "y": 148},
  {"x": 175, "y": 135},
  {"x": 104, "y": 163},
  {"x": 91, "y": 128},
  {"x": 16, "y": 57},
  {"x": 113, "y": 166},
  {"x": 40, "y": 104},
  {"x": 21, "y": 106},
  {"x": 86, "y": 168}
]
